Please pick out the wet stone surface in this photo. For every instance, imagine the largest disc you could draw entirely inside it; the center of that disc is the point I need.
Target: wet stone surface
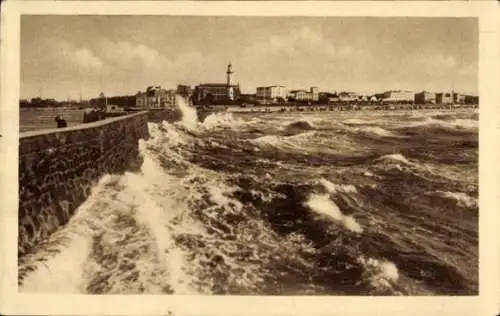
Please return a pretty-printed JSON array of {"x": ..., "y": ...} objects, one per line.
[{"x": 58, "y": 169}]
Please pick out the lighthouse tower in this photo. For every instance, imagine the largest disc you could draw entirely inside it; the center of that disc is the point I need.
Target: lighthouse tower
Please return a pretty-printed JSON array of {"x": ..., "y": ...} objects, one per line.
[{"x": 229, "y": 72}]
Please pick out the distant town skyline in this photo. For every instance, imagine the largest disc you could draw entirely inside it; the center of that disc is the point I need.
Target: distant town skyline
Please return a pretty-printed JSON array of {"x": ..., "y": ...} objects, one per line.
[{"x": 63, "y": 56}]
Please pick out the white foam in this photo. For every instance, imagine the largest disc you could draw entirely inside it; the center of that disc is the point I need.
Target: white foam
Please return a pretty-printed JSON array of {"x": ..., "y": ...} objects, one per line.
[
  {"x": 217, "y": 144},
  {"x": 376, "y": 130},
  {"x": 166, "y": 134},
  {"x": 267, "y": 197},
  {"x": 465, "y": 123},
  {"x": 293, "y": 141},
  {"x": 322, "y": 204},
  {"x": 174, "y": 137},
  {"x": 158, "y": 198},
  {"x": 219, "y": 195},
  {"x": 63, "y": 272},
  {"x": 221, "y": 119},
  {"x": 461, "y": 198},
  {"x": 269, "y": 140},
  {"x": 380, "y": 273},
  {"x": 396, "y": 157},
  {"x": 455, "y": 124},
  {"x": 335, "y": 188},
  {"x": 351, "y": 224},
  {"x": 189, "y": 115},
  {"x": 302, "y": 136},
  {"x": 354, "y": 121}
]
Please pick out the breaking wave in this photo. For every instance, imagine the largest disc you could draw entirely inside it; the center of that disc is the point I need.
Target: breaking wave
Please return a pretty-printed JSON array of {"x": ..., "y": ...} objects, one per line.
[
  {"x": 381, "y": 274},
  {"x": 238, "y": 205},
  {"x": 375, "y": 130},
  {"x": 460, "y": 198},
  {"x": 221, "y": 120},
  {"x": 301, "y": 125},
  {"x": 395, "y": 158},
  {"x": 335, "y": 188},
  {"x": 293, "y": 141},
  {"x": 355, "y": 121},
  {"x": 322, "y": 204},
  {"x": 454, "y": 124}
]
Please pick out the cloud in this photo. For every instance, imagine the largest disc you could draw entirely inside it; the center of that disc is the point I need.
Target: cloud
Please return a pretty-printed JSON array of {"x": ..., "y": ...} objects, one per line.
[
  {"x": 304, "y": 43},
  {"x": 149, "y": 65},
  {"x": 300, "y": 58},
  {"x": 133, "y": 66},
  {"x": 128, "y": 55},
  {"x": 87, "y": 59},
  {"x": 437, "y": 62},
  {"x": 71, "y": 56}
]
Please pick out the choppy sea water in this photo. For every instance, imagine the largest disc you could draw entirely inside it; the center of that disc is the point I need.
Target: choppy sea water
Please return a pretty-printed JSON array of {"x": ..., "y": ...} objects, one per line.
[{"x": 325, "y": 203}]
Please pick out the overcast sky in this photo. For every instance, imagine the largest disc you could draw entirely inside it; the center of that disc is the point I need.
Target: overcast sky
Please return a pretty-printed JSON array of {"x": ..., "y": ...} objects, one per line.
[{"x": 63, "y": 55}]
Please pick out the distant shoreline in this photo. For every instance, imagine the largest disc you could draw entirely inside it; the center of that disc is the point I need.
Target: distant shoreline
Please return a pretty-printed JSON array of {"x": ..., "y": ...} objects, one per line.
[
  {"x": 281, "y": 108},
  {"x": 335, "y": 108}
]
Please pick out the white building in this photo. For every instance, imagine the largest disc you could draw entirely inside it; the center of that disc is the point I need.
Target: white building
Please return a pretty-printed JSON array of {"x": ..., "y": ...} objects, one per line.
[
  {"x": 396, "y": 96},
  {"x": 271, "y": 92},
  {"x": 314, "y": 94},
  {"x": 155, "y": 97},
  {"x": 303, "y": 95}
]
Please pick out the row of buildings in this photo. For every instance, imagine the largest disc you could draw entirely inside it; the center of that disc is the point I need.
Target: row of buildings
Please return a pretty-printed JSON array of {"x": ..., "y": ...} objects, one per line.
[
  {"x": 402, "y": 97},
  {"x": 154, "y": 97},
  {"x": 279, "y": 94},
  {"x": 227, "y": 93},
  {"x": 273, "y": 94}
]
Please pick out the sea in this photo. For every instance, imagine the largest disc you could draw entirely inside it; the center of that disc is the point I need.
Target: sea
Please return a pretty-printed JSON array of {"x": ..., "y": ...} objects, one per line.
[
  {"x": 35, "y": 119},
  {"x": 287, "y": 203}
]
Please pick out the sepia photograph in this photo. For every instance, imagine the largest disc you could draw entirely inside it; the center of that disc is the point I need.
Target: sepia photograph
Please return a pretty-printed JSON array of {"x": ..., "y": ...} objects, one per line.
[
  {"x": 248, "y": 155},
  {"x": 311, "y": 156}
]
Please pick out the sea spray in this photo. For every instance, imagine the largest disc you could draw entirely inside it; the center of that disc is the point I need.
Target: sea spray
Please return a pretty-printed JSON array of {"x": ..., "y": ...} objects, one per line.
[
  {"x": 59, "y": 264},
  {"x": 62, "y": 273},
  {"x": 189, "y": 116},
  {"x": 223, "y": 119}
]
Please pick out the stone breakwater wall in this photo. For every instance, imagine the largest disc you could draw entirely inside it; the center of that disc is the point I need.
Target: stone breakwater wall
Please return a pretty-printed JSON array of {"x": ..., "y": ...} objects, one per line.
[{"x": 57, "y": 169}]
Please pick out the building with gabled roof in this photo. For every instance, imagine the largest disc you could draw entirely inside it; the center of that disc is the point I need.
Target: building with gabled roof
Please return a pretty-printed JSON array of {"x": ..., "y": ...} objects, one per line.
[{"x": 217, "y": 93}]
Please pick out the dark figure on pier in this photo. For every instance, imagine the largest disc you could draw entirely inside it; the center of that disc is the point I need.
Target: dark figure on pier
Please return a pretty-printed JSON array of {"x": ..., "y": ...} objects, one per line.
[{"x": 61, "y": 123}]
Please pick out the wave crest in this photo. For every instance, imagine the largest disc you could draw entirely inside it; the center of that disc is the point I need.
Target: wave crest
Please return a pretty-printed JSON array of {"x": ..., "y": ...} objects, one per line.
[
  {"x": 380, "y": 274},
  {"x": 396, "y": 157},
  {"x": 221, "y": 119},
  {"x": 302, "y": 124},
  {"x": 462, "y": 199},
  {"x": 322, "y": 204},
  {"x": 335, "y": 188},
  {"x": 376, "y": 130},
  {"x": 460, "y": 124}
]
